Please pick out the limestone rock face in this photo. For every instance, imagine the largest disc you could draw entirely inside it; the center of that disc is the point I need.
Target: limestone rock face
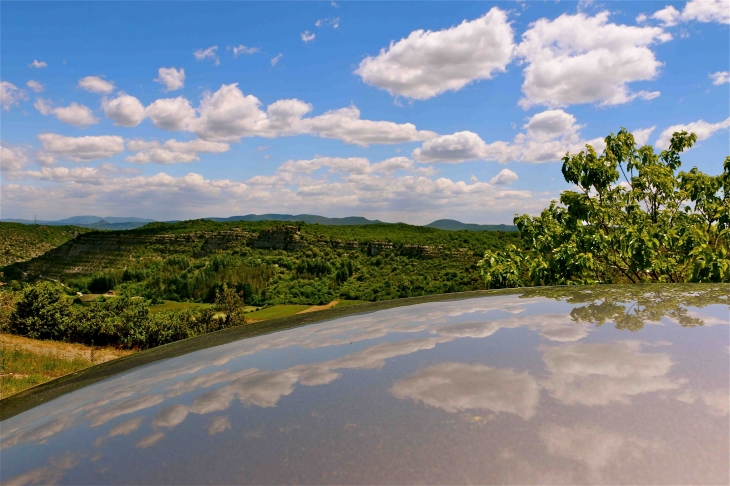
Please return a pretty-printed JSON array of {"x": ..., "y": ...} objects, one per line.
[{"x": 279, "y": 238}]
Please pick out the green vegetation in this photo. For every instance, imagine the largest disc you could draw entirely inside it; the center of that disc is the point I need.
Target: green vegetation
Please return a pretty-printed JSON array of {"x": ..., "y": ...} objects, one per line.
[
  {"x": 21, "y": 369},
  {"x": 635, "y": 220},
  {"x": 268, "y": 263},
  {"x": 277, "y": 311},
  {"x": 43, "y": 312},
  {"x": 20, "y": 242}
]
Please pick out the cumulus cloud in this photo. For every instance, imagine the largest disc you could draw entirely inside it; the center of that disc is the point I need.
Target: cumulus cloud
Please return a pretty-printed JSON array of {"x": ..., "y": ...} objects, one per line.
[
  {"x": 171, "y": 78},
  {"x": 229, "y": 115},
  {"x": 74, "y": 114},
  {"x": 11, "y": 95},
  {"x": 426, "y": 64},
  {"x": 38, "y": 64},
  {"x": 701, "y": 128},
  {"x": 124, "y": 110},
  {"x": 35, "y": 86},
  {"x": 81, "y": 149},
  {"x": 641, "y": 135},
  {"x": 331, "y": 185},
  {"x": 697, "y": 10},
  {"x": 96, "y": 84},
  {"x": 218, "y": 425},
  {"x": 172, "y": 151},
  {"x": 594, "y": 374},
  {"x": 275, "y": 60},
  {"x": 548, "y": 136},
  {"x": 209, "y": 53},
  {"x": 595, "y": 447},
  {"x": 456, "y": 387},
  {"x": 171, "y": 113},
  {"x": 505, "y": 177},
  {"x": 576, "y": 59},
  {"x": 12, "y": 159},
  {"x": 720, "y": 77},
  {"x": 307, "y": 36},
  {"x": 243, "y": 50}
]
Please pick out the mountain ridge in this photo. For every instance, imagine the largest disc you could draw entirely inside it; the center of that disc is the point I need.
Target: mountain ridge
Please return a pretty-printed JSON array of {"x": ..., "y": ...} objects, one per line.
[{"x": 124, "y": 223}]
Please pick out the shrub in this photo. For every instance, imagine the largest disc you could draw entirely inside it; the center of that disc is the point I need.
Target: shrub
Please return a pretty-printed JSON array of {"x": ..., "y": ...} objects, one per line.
[{"x": 42, "y": 312}]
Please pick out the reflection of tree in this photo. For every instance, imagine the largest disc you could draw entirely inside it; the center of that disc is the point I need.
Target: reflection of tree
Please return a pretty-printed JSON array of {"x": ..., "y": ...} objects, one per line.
[{"x": 630, "y": 306}]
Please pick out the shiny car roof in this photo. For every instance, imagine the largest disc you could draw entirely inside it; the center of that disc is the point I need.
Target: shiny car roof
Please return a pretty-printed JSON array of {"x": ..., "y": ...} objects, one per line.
[{"x": 567, "y": 385}]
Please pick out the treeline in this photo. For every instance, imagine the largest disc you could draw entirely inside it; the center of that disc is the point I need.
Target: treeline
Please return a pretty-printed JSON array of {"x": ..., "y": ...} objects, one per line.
[{"x": 43, "y": 311}]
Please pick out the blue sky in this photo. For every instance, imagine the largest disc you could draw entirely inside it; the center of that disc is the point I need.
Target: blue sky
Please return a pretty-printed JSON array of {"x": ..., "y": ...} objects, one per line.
[{"x": 397, "y": 111}]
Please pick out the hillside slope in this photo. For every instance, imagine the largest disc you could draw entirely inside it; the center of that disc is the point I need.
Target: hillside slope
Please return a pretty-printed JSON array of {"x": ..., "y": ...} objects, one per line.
[
  {"x": 270, "y": 262},
  {"x": 453, "y": 225},
  {"x": 20, "y": 242}
]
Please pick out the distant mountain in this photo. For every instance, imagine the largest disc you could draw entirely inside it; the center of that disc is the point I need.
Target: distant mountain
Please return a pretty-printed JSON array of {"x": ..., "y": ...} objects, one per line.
[
  {"x": 93, "y": 222},
  {"x": 125, "y": 223},
  {"x": 304, "y": 218},
  {"x": 453, "y": 225}
]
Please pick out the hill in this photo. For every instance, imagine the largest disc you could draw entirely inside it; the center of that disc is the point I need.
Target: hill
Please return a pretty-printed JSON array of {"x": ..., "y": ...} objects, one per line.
[
  {"x": 304, "y": 218},
  {"x": 270, "y": 262},
  {"x": 20, "y": 242},
  {"x": 122, "y": 223},
  {"x": 453, "y": 225}
]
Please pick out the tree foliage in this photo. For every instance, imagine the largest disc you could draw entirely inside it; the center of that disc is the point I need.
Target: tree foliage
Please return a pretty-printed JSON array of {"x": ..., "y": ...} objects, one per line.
[{"x": 633, "y": 218}]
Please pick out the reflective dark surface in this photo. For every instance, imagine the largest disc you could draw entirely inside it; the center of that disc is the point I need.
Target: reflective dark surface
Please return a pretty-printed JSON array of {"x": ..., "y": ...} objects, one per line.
[{"x": 569, "y": 386}]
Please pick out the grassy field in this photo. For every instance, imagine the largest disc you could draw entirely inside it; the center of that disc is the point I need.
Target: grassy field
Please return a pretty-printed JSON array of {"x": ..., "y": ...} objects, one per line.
[
  {"x": 28, "y": 362},
  {"x": 172, "y": 305},
  {"x": 276, "y": 311},
  {"x": 346, "y": 303}
]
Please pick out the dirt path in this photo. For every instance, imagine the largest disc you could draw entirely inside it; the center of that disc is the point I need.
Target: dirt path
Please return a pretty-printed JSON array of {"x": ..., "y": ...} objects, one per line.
[
  {"x": 64, "y": 350},
  {"x": 320, "y": 307}
]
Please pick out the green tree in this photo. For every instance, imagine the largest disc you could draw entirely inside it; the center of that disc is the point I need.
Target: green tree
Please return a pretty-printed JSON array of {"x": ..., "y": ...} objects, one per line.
[
  {"x": 230, "y": 302},
  {"x": 633, "y": 218},
  {"x": 42, "y": 312}
]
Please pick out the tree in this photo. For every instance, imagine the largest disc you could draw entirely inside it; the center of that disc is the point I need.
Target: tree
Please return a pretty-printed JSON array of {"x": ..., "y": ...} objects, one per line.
[
  {"x": 230, "y": 302},
  {"x": 633, "y": 218},
  {"x": 43, "y": 312}
]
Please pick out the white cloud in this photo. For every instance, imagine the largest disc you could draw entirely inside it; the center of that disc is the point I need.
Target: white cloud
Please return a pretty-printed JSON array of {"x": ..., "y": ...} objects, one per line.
[
  {"x": 549, "y": 135},
  {"x": 669, "y": 16},
  {"x": 275, "y": 60},
  {"x": 209, "y": 53},
  {"x": 228, "y": 115},
  {"x": 171, "y": 78},
  {"x": 171, "y": 113},
  {"x": 596, "y": 448},
  {"x": 505, "y": 177},
  {"x": 11, "y": 95},
  {"x": 73, "y": 114},
  {"x": 701, "y": 128},
  {"x": 35, "y": 86},
  {"x": 716, "y": 401},
  {"x": 426, "y": 64},
  {"x": 172, "y": 151},
  {"x": 124, "y": 110},
  {"x": 594, "y": 374},
  {"x": 12, "y": 159},
  {"x": 641, "y": 136},
  {"x": 707, "y": 11},
  {"x": 720, "y": 77},
  {"x": 576, "y": 59},
  {"x": 456, "y": 387},
  {"x": 96, "y": 84},
  {"x": 331, "y": 186},
  {"x": 218, "y": 425},
  {"x": 333, "y": 22},
  {"x": 307, "y": 36},
  {"x": 81, "y": 149},
  {"x": 38, "y": 64},
  {"x": 243, "y": 50}
]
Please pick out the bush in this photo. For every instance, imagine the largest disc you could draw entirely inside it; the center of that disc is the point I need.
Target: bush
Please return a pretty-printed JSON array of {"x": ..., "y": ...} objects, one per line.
[{"x": 43, "y": 312}]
